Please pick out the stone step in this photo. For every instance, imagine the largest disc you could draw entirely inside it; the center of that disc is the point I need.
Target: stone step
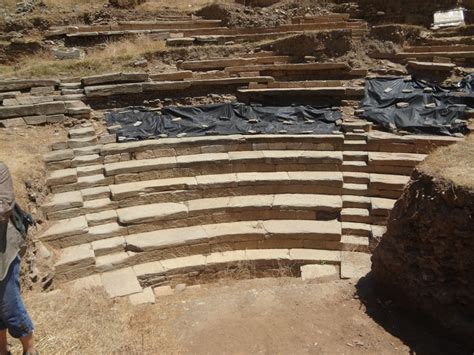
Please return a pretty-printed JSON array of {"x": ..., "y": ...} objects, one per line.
[
  {"x": 388, "y": 182},
  {"x": 227, "y": 209},
  {"x": 354, "y": 145},
  {"x": 357, "y": 229},
  {"x": 132, "y": 280},
  {"x": 355, "y": 156},
  {"x": 351, "y": 126},
  {"x": 381, "y": 206},
  {"x": 82, "y": 132},
  {"x": 355, "y": 189},
  {"x": 355, "y": 166},
  {"x": 221, "y": 144},
  {"x": 355, "y": 137},
  {"x": 355, "y": 243},
  {"x": 355, "y": 215},
  {"x": 112, "y": 253},
  {"x": 350, "y": 201},
  {"x": 223, "y": 162},
  {"x": 388, "y": 142},
  {"x": 160, "y": 216},
  {"x": 213, "y": 185},
  {"x": 395, "y": 159},
  {"x": 356, "y": 178}
]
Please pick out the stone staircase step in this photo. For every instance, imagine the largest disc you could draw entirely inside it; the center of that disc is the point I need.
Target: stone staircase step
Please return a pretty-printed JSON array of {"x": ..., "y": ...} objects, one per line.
[
  {"x": 354, "y": 145},
  {"x": 351, "y": 126},
  {"x": 355, "y": 265},
  {"x": 356, "y": 178},
  {"x": 355, "y": 136},
  {"x": 355, "y": 156},
  {"x": 395, "y": 159},
  {"x": 355, "y": 215},
  {"x": 226, "y": 209},
  {"x": 355, "y": 189},
  {"x": 381, "y": 206},
  {"x": 388, "y": 182},
  {"x": 208, "y": 144},
  {"x": 350, "y": 201},
  {"x": 358, "y": 229},
  {"x": 355, "y": 243},
  {"x": 317, "y": 160},
  {"x": 207, "y": 185},
  {"x": 354, "y": 166},
  {"x": 95, "y": 193},
  {"x": 111, "y": 253},
  {"x": 133, "y": 280}
]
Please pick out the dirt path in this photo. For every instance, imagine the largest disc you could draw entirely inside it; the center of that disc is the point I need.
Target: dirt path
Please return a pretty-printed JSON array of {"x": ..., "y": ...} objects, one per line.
[{"x": 265, "y": 316}]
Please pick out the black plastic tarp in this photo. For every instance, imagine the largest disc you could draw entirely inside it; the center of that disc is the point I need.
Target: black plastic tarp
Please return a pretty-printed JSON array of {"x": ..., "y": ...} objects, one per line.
[
  {"x": 432, "y": 109},
  {"x": 223, "y": 119}
]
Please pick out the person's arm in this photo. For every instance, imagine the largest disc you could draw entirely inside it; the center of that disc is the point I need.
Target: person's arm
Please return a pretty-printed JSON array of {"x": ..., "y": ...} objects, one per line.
[{"x": 7, "y": 195}]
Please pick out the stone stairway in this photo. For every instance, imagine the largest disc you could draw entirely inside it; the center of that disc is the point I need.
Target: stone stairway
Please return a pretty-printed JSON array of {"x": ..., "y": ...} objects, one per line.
[{"x": 151, "y": 212}]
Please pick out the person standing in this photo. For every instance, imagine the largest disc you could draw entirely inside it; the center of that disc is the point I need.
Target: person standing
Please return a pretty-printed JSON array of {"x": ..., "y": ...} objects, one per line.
[{"x": 13, "y": 315}]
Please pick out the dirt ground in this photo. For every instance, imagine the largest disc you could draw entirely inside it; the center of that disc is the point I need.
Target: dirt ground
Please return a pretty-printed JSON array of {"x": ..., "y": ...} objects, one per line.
[
  {"x": 22, "y": 150},
  {"x": 264, "y": 316}
]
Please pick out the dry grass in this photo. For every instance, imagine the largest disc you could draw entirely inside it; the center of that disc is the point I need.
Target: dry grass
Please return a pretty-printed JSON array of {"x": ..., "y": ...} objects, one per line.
[
  {"x": 117, "y": 56},
  {"x": 22, "y": 149},
  {"x": 88, "y": 322},
  {"x": 453, "y": 164},
  {"x": 54, "y": 4}
]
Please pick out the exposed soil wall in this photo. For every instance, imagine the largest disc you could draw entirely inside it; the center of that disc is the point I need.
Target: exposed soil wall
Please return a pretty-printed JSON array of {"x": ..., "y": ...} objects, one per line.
[
  {"x": 425, "y": 261},
  {"x": 322, "y": 45}
]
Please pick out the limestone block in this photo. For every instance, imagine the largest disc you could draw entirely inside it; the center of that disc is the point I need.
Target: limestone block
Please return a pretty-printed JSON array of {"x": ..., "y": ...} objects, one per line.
[
  {"x": 75, "y": 257},
  {"x": 50, "y": 108},
  {"x": 82, "y": 142},
  {"x": 12, "y": 122},
  {"x": 134, "y": 77},
  {"x": 82, "y": 132},
  {"x": 17, "y": 111},
  {"x": 64, "y": 201},
  {"x": 150, "y": 213},
  {"x": 103, "y": 217},
  {"x": 109, "y": 245},
  {"x": 58, "y": 155},
  {"x": 145, "y": 297},
  {"x": 35, "y": 120},
  {"x": 66, "y": 228},
  {"x": 355, "y": 265},
  {"x": 101, "y": 79},
  {"x": 62, "y": 177},
  {"x": 319, "y": 272},
  {"x": 317, "y": 256},
  {"x": 110, "y": 90},
  {"x": 152, "y": 268},
  {"x": 323, "y": 230},
  {"x": 121, "y": 282}
]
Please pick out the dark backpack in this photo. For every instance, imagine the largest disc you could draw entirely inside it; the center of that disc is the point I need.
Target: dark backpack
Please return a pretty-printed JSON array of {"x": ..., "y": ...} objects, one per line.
[{"x": 21, "y": 220}]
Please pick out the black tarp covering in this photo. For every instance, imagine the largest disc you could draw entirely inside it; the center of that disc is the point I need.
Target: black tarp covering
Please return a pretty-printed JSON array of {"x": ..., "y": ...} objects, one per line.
[
  {"x": 383, "y": 94},
  {"x": 223, "y": 119}
]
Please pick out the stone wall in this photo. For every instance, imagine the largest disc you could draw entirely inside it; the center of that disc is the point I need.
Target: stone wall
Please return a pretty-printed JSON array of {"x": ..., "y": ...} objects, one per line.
[{"x": 425, "y": 261}]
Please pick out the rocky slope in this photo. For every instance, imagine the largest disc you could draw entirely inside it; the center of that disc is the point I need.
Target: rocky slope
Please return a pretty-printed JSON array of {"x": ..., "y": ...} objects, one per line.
[{"x": 426, "y": 258}]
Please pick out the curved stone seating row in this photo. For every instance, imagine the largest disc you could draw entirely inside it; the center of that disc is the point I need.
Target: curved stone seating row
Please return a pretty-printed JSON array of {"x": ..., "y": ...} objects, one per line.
[
  {"x": 133, "y": 25},
  {"x": 222, "y": 63},
  {"x": 136, "y": 280},
  {"x": 191, "y": 212},
  {"x": 105, "y": 255},
  {"x": 123, "y": 211},
  {"x": 75, "y": 203}
]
